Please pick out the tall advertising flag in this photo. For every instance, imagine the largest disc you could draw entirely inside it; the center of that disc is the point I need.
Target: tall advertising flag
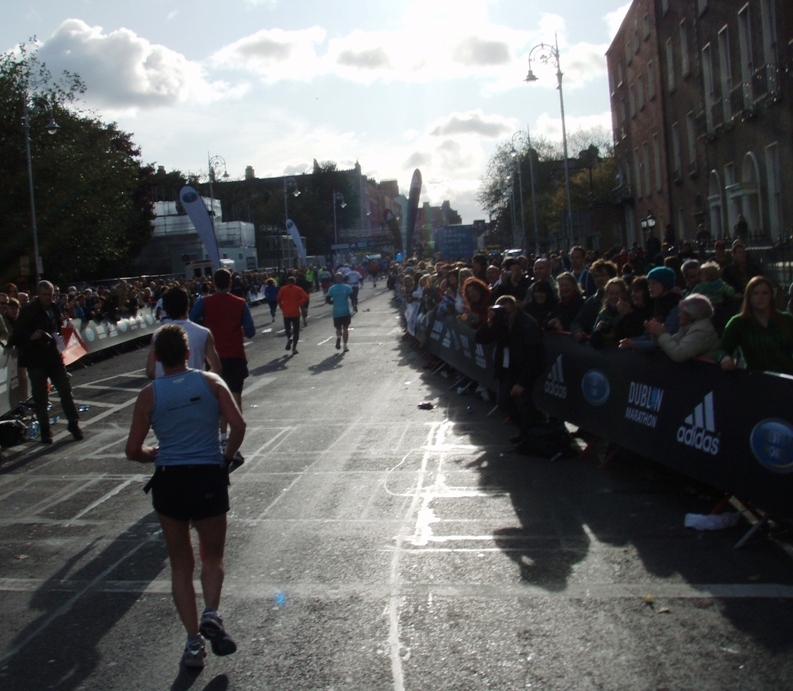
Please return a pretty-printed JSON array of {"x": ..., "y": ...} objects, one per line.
[
  {"x": 393, "y": 226},
  {"x": 293, "y": 231},
  {"x": 198, "y": 214},
  {"x": 413, "y": 210}
]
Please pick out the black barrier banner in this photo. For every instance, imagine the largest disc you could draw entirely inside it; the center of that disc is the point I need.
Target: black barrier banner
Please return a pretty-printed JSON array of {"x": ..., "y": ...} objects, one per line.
[
  {"x": 731, "y": 430},
  {"x": 9, "y": 381},
  {"x": 454, "y": 343}
]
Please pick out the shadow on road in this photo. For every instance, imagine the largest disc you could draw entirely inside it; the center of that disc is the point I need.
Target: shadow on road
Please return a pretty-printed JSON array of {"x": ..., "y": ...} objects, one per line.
[
  {"x": 633, "y": 503},
  {"x": 328, "y": 364},
  {"x": 60, "y": 648}
]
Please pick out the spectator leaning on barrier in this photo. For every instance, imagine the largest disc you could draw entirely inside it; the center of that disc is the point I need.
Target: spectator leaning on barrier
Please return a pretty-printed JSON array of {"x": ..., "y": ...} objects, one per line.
[
  {"x": 519, "y": 361},
  {"x": 477, "y": 302},
  {"x": 691, "y": 275},
  {"x": 543, "y": 300},
  {"x": 571, "y": 300},
  {"x": 602, "y": 272},
  {"x": 663, "y": 303},
  {"x": 514, "y": 282},
  {"x": 697, "y": 336},
  {"x": 763, "y": 335},
  {"x": 605, "y": 333},
  {"x": 36, "y": 335}
]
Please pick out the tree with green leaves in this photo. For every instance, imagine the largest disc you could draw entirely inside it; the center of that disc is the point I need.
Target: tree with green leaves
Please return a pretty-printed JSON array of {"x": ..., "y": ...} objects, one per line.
[{"x": 92, "y": 193}]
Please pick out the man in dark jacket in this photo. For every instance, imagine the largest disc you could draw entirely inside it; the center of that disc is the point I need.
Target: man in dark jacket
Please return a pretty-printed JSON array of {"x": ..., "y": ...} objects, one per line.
[
  {"x": 519, "y": 361},
  {"x": 36, "y": 334}
]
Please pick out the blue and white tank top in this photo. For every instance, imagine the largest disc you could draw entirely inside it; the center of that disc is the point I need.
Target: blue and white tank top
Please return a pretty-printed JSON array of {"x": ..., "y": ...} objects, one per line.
[{"x": 185, "y": 420}]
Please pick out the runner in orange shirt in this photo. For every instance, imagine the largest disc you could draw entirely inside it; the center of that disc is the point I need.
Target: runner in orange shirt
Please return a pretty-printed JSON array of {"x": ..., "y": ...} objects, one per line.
[{"x": 291, "y": 298}]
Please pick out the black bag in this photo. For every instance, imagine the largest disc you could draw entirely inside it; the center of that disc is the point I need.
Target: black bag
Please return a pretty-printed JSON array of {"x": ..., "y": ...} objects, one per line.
[{"x": 12, "y": 432}]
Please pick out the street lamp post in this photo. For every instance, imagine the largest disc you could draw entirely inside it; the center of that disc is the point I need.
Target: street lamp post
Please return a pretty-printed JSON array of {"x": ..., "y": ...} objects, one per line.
[
  {"x": 549, "y": 54},
  {"x": 289, "y": 184},
  {"x": 338, "y": 198},
  {"x": 516, "y": 155},
  {"x": 51, "y": 127},
  {"x": 215, "y": 163},
  {"x": 648, "y": 226}
]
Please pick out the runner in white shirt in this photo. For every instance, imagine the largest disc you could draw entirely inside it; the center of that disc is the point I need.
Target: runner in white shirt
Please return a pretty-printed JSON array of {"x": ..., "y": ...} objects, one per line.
[
  {"x": 199, "y": 338},
  {"x": 354, "y": 280}
]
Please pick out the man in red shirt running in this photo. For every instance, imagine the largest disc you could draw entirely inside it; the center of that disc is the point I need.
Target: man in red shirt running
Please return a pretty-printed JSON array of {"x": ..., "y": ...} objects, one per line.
[
  {"x": 228, "y": 317},
  {"x": 291, "y": 298}
]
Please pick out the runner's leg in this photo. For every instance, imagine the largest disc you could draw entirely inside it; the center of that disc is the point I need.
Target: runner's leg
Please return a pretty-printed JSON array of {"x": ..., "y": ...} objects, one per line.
[{"x": 180, "y": 554}]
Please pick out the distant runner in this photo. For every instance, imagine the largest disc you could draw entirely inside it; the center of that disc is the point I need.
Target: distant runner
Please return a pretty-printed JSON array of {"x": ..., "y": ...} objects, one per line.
[{"x": 341, "y": 293}]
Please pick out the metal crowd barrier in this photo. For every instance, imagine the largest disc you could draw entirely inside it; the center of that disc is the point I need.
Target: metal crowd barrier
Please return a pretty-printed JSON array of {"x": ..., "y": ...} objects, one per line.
[{"x": 733, "y": 430}]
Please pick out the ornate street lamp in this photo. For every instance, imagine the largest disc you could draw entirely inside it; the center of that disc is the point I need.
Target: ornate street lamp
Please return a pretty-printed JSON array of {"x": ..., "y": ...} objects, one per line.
[
  {"x": 518, "y": 136},
  {"x": 289, "y": 184},
  {"x": 549, "y": 54},
  {"x": 215, "y": 164},
  {"x": 28, "y": 107},
  {"x": 338, "y": 198}
]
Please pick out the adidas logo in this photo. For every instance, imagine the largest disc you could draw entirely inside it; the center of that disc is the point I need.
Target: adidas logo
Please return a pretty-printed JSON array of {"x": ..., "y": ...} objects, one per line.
[
  {"x": 699, "y": 429},
  {"x": 554, "y": 383}
]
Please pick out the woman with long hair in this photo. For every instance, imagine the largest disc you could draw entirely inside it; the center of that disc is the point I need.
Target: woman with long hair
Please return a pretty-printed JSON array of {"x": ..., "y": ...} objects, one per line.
[{"x": 763, "y": 335}]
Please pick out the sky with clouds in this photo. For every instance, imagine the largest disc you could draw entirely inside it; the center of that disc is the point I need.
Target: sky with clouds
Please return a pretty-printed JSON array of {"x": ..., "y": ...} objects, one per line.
[{"x": 433, "y": 84}]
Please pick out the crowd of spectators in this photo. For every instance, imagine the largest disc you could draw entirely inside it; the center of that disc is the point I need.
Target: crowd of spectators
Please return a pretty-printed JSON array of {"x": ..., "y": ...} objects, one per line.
[{"x": 671, "y": 301}]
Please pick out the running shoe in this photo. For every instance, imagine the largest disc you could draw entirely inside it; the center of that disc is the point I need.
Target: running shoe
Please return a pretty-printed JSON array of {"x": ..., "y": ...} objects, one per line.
[
  {"x": 346, "y": 349},
  {"x": 211, "y": 628},
  {"x": 338, "y": 343},
  {"x": 294, "y": 350},
  {"x": 194, "y": 653},
  {"x": 288, "y": 345}
]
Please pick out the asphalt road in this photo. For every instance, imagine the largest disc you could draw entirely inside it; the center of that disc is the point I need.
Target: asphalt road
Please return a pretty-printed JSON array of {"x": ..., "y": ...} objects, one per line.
[{"x": 377, "y": 545}]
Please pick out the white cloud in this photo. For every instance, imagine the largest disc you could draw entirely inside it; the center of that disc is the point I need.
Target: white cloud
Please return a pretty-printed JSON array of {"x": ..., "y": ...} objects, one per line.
[
  {"x": 122, "y": 70},
  {"x": 614, "y": 19},
  {"x": 275, "y": 54},
  {"x": 473, "y": 122}
]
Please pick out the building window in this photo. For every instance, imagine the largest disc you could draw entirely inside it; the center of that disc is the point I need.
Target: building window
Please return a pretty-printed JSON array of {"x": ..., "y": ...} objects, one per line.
[
  {"x": 774, "y": 190},
  {"x": 664, "y": 6},
  {"x": 646, "y": 162},
  {"x": 691, "y": 125},
  {"x": 768, "y": 14},
  {"x": 632, "y": 100},
  {"x": 646, "y": 25},
  {"x": 670, "y": 66},
  {"x": 685, "y": 67},
  {"x": 707, "y": 79},
  {"x": 745, "y": 42},
  {"x": 619, "y": 72},
  {"x": 640, "y": 91},
  {"x": 676, "y": 162},
  {"x": 650, "y": 80},
  {"x": 725, "y": 72},
  {"x": 628, "y": 52},
  {"x": 702, "y": 5},
  {"x": 657, "y": 158},
  {"x": 638, "y": 167}
]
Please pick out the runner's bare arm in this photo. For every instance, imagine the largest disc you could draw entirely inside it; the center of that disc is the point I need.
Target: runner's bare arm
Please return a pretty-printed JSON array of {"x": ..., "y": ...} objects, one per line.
[{"x": 136, "y": 448}]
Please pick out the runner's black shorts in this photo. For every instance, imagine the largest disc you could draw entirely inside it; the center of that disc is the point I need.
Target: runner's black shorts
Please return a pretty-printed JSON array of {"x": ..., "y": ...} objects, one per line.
[
  {"x": 235, "y": 372},
  {"x": 339, "y": 322},
  {"x": 191, "y": 492}
]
